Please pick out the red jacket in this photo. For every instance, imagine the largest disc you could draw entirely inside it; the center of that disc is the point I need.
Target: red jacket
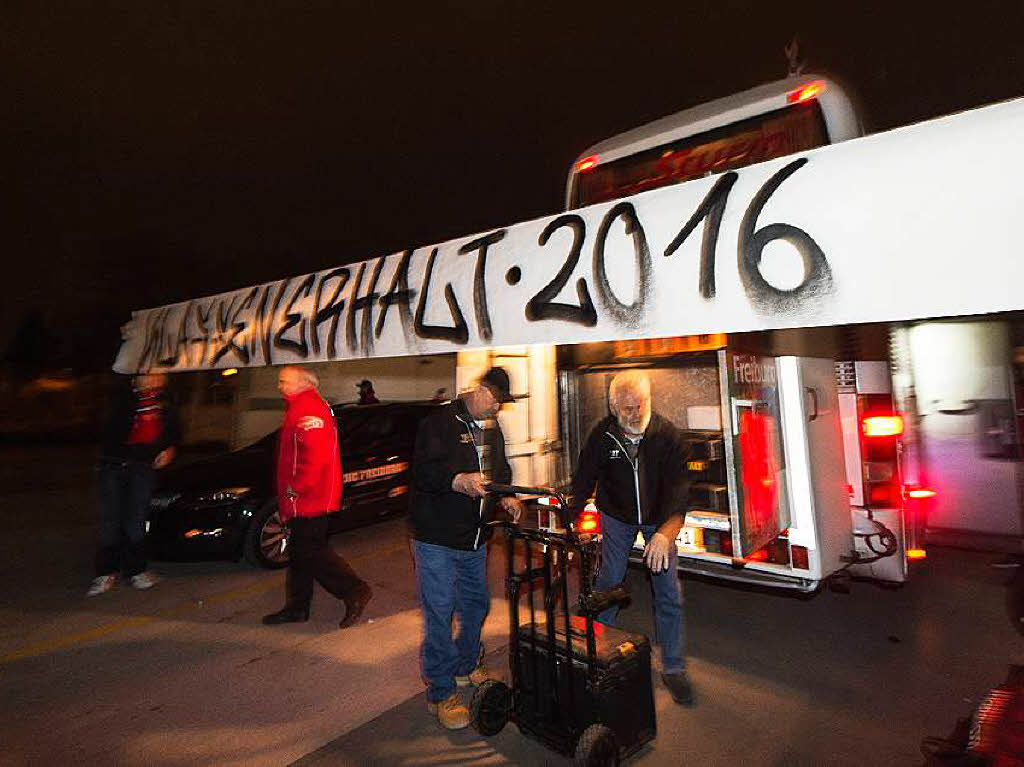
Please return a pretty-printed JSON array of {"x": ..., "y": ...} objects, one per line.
[{"x": 309, "y": 478}]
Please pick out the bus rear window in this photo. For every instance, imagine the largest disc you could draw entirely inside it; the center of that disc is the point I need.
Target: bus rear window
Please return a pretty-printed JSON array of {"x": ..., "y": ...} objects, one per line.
[{"x": 757, "y": 139}]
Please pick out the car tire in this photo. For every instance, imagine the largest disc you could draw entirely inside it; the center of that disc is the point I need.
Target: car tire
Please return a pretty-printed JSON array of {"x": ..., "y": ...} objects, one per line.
[{"x": 266, "y": 539}]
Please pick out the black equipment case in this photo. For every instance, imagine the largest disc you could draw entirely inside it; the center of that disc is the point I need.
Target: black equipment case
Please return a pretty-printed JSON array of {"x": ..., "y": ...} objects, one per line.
[
  {"x": 589, "y": 697},
  {"x": 616, "y": 692}
]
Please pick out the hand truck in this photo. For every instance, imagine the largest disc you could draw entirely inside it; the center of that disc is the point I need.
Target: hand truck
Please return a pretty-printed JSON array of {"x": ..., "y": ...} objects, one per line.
[{"x": 580, "y": 687}]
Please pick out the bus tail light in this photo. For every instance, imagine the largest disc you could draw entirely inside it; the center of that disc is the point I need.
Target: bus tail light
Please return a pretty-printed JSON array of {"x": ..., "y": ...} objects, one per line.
[
  {"x": 806, "y": 92},
  {"x": 881, "y": 429},
  {"x": 916, "y": 553},
  {"x": 920, "y": 493},
  {"x": 878, "y": 426},
  {"x": 883, "y": 494},
  {"x": 587, "y": 163}
]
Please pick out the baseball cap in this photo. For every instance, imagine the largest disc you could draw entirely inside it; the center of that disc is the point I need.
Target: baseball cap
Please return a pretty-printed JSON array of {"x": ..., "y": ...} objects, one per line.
[{"x": 496, "y": 379}]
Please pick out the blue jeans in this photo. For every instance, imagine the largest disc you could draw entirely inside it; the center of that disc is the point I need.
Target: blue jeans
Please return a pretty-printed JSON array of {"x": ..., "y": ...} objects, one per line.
[
  {"x": 616, "y": 542},
  {"x": 450, "y": 581}
]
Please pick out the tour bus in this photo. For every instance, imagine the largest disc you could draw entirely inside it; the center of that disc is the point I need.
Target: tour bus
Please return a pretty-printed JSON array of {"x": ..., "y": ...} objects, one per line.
[{"x": 707, "y": 387}]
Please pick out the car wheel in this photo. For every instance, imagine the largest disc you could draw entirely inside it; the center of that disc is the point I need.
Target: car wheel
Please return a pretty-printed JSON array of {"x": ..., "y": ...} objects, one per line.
[{"x": 266, "y": 540}]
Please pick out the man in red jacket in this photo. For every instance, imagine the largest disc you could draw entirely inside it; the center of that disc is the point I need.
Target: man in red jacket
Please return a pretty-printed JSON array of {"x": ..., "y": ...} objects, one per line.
[{"x": 309, "y": 487}]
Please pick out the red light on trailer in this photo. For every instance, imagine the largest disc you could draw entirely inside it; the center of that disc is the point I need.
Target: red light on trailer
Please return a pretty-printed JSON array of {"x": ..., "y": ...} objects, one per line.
[
  {"x": 589, "y": 522},
  {"x": 806, "y": 92},
  {"x": 800, "y": 557},
  {"x": 587, "y": 163},
  {"x": 920, "y": 492},
  {"x": 916, "y": 553},
  {"x": 882, "y": 426}
]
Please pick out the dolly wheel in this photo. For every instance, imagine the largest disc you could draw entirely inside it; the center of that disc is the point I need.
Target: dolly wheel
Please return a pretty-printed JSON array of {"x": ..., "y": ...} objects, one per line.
[
  {"x": 597, "y": 747},
  {"x": 490, "y": 707}
]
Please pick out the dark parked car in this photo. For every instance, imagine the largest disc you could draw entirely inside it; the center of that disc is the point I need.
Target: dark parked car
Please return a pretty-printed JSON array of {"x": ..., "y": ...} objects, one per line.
[{"x": 225, "y": 506}]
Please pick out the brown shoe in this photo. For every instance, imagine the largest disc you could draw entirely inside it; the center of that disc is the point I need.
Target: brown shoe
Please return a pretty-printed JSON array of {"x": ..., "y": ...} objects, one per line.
[
  {"x": 476, "y": 677},
  {"x": 451, "y": 713},
  {"x": 354, "y": 607}
]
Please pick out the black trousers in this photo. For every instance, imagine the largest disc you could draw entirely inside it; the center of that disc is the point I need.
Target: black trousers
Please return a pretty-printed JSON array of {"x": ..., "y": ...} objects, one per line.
[
  {"x": 124, "y": 490},
  {"x": 312, "y": 558}
]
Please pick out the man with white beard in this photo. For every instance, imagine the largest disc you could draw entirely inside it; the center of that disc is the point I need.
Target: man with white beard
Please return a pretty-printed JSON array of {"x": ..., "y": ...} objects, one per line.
[{"x": 637, "y": 460}]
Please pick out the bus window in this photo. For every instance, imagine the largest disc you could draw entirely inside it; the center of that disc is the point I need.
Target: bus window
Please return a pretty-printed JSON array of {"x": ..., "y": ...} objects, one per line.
[{"x": 756, "y": 139}]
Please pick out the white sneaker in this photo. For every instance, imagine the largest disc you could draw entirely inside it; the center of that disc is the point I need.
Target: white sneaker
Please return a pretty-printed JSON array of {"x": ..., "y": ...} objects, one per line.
[
  {"x": 143, "y": 581},
  {"x": 101, "y": 585}
]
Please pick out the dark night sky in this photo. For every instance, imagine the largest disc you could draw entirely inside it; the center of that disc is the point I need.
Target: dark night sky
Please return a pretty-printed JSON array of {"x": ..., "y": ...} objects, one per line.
[{"x": 156, "y": 151}]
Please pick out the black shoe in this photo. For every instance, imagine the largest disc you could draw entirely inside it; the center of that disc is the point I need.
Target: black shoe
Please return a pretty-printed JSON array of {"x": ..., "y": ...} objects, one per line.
[
  {"x": 679, "y": 686},
  {"x": 287, "y": 615},
  {"x": 354, "y": 607}
]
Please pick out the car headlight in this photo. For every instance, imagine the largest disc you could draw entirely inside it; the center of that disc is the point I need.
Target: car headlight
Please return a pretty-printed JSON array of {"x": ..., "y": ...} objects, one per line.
[{"x": 226, "y": 494}]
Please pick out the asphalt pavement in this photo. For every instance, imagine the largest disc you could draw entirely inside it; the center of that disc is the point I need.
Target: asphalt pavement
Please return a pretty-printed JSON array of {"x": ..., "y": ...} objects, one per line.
[{"x": 186, "y": 674}]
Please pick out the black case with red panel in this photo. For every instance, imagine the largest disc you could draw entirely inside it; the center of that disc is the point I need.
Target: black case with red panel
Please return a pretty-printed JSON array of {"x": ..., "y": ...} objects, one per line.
[{"x": 616, "y": 691}]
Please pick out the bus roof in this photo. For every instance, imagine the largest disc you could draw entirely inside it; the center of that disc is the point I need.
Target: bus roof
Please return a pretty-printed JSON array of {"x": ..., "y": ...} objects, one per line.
[{"x": 840, "y": 119}]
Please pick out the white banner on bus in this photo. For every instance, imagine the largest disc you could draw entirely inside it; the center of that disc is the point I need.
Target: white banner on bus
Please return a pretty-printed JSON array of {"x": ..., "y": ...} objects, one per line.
[{"x": 922, "y": 221}]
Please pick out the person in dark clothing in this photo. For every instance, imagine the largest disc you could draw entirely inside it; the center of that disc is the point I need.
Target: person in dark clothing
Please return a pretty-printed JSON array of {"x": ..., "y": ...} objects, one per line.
[
  {"x": 459, "y": 449},
  {"x": 366, "y": 394},
  {"x": 637, "y": 460},
  {"x": 139, "y": 435},
  {"x": 309, "y": 487}
]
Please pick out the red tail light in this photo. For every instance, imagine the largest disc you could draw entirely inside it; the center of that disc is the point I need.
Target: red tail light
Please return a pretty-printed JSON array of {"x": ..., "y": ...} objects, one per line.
[
  {"x": 806, "y": 92},
  {"x": 587, "y": 163},
  {"x": 589, "y": 522}
]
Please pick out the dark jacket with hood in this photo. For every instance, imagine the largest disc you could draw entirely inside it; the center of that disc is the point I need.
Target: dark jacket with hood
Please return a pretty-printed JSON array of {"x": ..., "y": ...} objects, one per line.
[
  {"x": 649, "y": 491},
  {"x": 446, "y": 445}
]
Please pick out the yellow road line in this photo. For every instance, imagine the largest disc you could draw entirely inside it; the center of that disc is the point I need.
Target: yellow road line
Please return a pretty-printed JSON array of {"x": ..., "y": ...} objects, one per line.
[{"x": 53, "y": 645}]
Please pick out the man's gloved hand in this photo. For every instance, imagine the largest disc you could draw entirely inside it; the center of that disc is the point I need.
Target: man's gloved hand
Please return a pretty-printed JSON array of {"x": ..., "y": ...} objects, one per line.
[
  {"x": 469, "y": 483},
  {"x": 512, "y": 506},
  {"x": 656, "y": 553}
]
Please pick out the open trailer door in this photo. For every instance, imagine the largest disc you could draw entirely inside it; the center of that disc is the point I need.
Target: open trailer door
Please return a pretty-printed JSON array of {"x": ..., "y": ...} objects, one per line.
[{"x": 756, "y": 461}]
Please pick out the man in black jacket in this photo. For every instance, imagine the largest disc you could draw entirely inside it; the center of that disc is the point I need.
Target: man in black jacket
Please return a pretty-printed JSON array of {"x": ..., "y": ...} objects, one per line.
[
  {"x": 637, "y": 459},
  {"x": 139, "y": 435},
  {"x": 459, "y": 449}
]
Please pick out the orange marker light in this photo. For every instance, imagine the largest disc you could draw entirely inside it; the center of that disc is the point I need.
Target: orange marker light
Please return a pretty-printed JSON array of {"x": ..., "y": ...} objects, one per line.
[
  {"x": 587, "y": 163},
  {"x": 916, "y": 553},
  {"x": 807, "y": 92},
  {"x": 589, "y": 522},
  {"x": 883, "y": 426}
]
